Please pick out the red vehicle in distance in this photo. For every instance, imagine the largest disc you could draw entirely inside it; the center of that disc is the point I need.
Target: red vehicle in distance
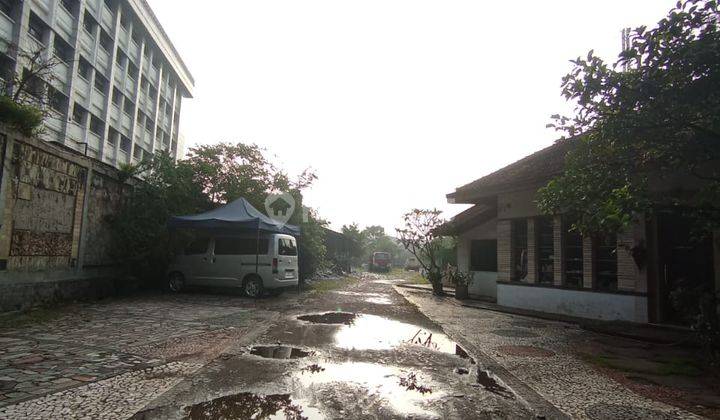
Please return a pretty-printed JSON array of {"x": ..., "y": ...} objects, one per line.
[{"x": 380, "y": 261}]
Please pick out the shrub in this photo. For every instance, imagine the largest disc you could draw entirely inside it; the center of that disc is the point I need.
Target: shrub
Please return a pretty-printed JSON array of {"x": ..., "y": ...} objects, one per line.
[{"x": 24, "y": 118}]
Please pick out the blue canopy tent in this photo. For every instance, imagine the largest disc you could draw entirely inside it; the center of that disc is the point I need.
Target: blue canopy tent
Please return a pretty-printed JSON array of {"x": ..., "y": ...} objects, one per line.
[{"x": 238, "y": 215}]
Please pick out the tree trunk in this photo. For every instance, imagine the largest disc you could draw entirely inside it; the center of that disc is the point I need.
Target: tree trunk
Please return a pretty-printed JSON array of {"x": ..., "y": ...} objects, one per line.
[{"x": 438, "y": 288}]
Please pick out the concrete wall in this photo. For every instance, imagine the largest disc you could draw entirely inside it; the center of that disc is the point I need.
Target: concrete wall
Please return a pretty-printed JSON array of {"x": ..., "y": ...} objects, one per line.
[
  {"x": 579, "y": 303},
  {"x": 54, "y": 235}
]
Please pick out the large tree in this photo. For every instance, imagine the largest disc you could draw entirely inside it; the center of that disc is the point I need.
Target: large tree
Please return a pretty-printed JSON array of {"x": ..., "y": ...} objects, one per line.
[{"x": 650, "y": 119}]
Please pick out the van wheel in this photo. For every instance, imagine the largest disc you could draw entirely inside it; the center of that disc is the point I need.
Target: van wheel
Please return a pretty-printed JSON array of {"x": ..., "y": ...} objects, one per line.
[
  {"x": 253, "y": 287},
  {"x": 176, "y": 282}
]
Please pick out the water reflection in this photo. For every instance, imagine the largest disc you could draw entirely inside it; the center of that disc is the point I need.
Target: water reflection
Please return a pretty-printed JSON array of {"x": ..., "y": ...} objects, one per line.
[
  {"x": 252, "y": 406},
  {"x": 279, "y": 352}
]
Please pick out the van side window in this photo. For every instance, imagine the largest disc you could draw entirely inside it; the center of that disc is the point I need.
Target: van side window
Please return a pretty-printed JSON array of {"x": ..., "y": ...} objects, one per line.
[
  {"x": 240, "y": 246},
  {"x": 286, "y": 247},
  {"x": 198, "y": 246}
]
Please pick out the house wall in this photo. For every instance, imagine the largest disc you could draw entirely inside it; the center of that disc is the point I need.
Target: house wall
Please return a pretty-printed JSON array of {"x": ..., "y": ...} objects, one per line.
[
  {"x": 483, "y": 283},
  {"x": 54, "y": 238},
  {"x": 628, "y": 303}
]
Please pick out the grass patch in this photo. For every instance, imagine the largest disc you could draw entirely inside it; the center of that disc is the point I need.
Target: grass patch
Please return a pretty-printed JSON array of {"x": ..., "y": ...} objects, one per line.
[
  {"x": 410, "y": 277},
  {"x": 32, "y": 317},
  {"x": 323, "y": 286},
  {"x": 667, "y": 367}
]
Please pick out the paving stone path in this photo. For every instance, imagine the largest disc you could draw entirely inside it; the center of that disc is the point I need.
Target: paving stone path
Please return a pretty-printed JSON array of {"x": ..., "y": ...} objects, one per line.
[
  {"x": 539, "y": 353},
  {"x": 106, "y": 360}
]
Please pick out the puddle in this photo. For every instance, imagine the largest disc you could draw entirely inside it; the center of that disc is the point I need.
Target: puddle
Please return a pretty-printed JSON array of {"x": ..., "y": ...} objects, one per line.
[
  {"x": 252, "y": 406},
  {"x": 343, "y": 318},
  {"x": 379, "y": 300},
  {"x": 371, "y": 332},
  {"x": 405, "y": 393},
  {"x": 279, "y": 352},
  {"x": 487, "y": 381}
]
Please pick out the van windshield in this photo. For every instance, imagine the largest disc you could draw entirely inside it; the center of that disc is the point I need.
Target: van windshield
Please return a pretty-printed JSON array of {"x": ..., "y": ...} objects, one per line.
[{"x": 286, "y": 246}]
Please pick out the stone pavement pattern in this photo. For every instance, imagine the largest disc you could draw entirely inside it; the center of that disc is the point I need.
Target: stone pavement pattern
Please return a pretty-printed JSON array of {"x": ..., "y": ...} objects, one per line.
[
  {"x": 108, "y": 359},
  {"x": 539, "y": 353}
]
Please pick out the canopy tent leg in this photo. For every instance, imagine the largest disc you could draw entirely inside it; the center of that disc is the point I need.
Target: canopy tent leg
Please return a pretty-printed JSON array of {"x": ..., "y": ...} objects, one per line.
[{"x": 257, "y": 248}]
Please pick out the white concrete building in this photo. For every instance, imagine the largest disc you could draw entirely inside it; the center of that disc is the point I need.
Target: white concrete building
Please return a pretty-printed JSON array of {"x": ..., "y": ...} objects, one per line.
[{"x": 119, "y": 87}]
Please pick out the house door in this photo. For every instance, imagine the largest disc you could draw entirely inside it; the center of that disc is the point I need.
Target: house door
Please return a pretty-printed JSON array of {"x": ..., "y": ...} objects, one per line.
[{"x": 685, "y": 269}]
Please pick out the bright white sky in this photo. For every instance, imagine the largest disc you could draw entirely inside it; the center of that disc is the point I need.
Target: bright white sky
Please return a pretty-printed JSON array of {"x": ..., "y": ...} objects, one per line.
[{"x": 393, "y": 103}]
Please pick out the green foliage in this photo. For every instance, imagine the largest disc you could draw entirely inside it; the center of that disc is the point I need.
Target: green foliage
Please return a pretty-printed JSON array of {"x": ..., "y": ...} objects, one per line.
[
  {"x": 24, "y": 118},
  {"x": 140, "y": 236},
  {"x": 643, "y": 124},
  {"x": 211, "y": 176},
  {"x": 357, "y": 243}
]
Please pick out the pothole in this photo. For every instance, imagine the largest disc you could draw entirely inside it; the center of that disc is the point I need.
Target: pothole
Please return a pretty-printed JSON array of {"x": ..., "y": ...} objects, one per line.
[
  {"x": 252, "y": 406},
  {"x": 341, "y": 318},
  {"x": 279, "y": 352}
]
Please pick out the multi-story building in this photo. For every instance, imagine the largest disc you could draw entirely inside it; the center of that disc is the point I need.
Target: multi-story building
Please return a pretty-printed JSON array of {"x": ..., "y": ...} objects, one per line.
[{"x": 118, "y": 88}]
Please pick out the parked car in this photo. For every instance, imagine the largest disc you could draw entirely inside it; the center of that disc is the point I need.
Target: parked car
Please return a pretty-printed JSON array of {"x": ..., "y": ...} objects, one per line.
[
  {"x": 380, "y": 261},
  {"x": 267, "y": 265},
  {"x": 412, "y": 264}
]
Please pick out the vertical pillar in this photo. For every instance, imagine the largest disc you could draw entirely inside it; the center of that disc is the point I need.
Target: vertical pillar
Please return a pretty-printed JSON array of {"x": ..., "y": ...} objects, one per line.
[
  {"x": 630, "y": 277},
  {"x": 7, "y": 201},
  {"x": 588, "y": 262},
  {"x": 83, "y": 219},
  {"x": 558, "y": 258},
  {"x": 504, "y": 231},
  {"x": 532, "y": 256}
]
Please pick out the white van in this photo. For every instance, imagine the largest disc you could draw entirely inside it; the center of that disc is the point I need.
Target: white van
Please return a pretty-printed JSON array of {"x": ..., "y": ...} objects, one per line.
[{"x": 230, "y": 261}]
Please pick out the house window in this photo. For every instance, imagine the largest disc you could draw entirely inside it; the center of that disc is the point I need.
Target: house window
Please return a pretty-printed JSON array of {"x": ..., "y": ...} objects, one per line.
[
  {"x": 519, "y": 249},
  {"x": 545, "y": 249},
  {"x": 483, "y": 255},
  {"x": 78, "y": 115},
  {"x": 573, "y": 255},
  {"x": 96, "y": 125},
  {"x": 606, "y": 263},
  {"x": 84, "y": 69},
  {"x": 36, "y": 28}
]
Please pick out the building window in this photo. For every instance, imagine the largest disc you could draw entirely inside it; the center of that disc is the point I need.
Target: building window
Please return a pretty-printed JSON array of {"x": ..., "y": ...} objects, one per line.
[
  {"x": 125, "y": 144},
  {"x": 112, "y": 134},
  {"x": 78, "y": 115},
  {"x": 100, "y": 83},
  {"x": 8, "y": 7},
  {"x": 120, "y": 58},
  {"x": 68, "y": 5},
  {"x": 518, "y": 245},
  {"x": 58, "y": 101},
  {"x": 573, "y": 255},
  {"x": 89, "y": 23},
  {"x": 128, "y": 107},
  {"x": 117, "y": 97},
  {"x": 84, "y": 69},
  {"x": 132, "y": 71},
  {"x": 34, "y": 85},
  {"x": 36, "y": 28},
  {"x": 96, "y": 125},
  {"x": 62, "y": 50},
  {"x": 483, "y": 255},
  {"x": 105, "y": 41},
  {"x": 138, "y": 152},
  {"x": 148, "y": 125},
  {"x": 606, "y": 263},
  {"x": 545, "y": 249}
]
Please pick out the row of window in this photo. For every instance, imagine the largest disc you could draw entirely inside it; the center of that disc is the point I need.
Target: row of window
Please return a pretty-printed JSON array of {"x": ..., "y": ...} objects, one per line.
[{"x": 604, "y": 255}]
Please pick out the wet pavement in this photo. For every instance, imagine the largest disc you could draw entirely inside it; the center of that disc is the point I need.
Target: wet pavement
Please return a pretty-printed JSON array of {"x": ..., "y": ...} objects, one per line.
[{"x": 365, "y": 351}]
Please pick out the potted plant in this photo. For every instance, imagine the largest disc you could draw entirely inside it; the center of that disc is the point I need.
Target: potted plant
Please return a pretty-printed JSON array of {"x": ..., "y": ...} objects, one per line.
[{"x": 460, "y": 279}]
